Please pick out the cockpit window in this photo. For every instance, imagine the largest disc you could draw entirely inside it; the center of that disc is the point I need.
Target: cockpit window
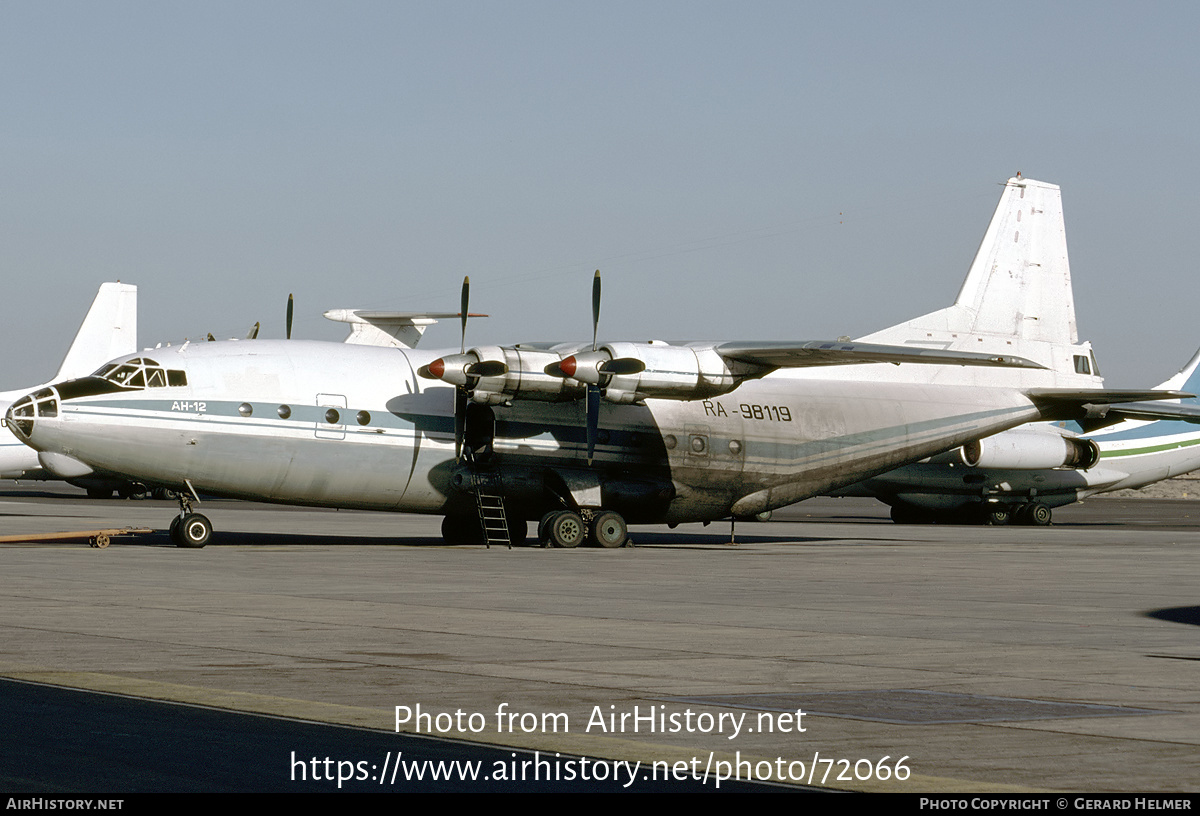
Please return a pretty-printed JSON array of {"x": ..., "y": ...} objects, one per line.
[{"x": 141, "y": 372}]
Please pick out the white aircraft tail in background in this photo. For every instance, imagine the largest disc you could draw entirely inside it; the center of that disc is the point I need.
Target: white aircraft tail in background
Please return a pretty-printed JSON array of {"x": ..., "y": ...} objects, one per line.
[{"x": 109, "y": 330}]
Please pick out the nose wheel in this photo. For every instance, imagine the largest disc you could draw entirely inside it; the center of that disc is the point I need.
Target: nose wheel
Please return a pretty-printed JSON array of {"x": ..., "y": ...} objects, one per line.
[
  {"x": 192, "y": 530},
  {"x": 188, "y": 529}
]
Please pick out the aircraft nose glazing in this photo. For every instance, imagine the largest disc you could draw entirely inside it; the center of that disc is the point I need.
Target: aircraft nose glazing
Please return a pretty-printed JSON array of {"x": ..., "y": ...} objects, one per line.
[{"x": 20, "y": 417}]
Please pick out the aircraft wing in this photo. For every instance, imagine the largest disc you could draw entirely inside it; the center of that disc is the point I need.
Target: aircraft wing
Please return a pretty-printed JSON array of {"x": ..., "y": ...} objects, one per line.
[{"x": 805, "y": 354}]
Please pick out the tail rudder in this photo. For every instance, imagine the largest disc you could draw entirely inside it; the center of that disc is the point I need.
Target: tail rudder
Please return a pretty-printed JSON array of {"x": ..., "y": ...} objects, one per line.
[
  {"x": 108, "y": 331},
  {"x": 1017, "y": 297},
  {"x": 1019, "y": 285}
]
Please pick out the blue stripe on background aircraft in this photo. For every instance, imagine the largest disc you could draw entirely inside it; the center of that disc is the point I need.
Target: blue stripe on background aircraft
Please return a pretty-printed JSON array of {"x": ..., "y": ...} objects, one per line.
[{"x": 584, "y": 437}]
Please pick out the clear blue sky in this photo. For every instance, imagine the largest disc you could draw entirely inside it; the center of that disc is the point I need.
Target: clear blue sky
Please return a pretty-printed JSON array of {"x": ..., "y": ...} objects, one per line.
[{"x": 737, "y": 170}]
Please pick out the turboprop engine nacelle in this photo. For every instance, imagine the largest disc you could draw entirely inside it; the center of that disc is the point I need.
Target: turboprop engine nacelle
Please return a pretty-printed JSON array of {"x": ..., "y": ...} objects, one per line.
[
  {"x": 495, "y": 375},
  {"x": 1028, "y": 449},
  {"x": 631, "y": 372}
]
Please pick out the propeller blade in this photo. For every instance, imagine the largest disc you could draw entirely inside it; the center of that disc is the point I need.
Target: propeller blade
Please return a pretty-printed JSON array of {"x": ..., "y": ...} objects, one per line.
[
  {"x": 593, "y": 419},
  {"x": 595, "y": 307},
  {"x": 460, "y": 393},
  {"x": 466, "y": 296},
  {"x": 253, "y": 333},
  {"x": 593, "y": 392},
  {"x": 289, "y": 318},
  {"x": 460, "y": 420}
]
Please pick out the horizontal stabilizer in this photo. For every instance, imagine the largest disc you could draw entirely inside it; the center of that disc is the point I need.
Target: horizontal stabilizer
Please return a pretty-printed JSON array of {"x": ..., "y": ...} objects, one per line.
[
  {"x": 806, "y": 354},
  {"x": 1099, "y": 396},
  {"x": 1098, "y": 408},
  {"x": 1154, "y": 410}
]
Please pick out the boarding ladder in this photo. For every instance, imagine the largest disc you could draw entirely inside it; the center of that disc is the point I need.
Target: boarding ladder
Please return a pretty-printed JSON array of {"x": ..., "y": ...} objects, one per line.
[{"x": 490, "y": 504}]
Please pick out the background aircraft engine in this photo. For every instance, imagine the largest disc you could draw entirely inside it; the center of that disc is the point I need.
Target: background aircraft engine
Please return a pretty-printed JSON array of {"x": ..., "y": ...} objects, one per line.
[
  {"x": 1026, "y": 449},
  {"x": 630, "y": 372}
]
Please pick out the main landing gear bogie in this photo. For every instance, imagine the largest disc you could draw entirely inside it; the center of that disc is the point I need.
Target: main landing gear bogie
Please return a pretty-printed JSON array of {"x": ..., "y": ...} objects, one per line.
[{"x": 567, "y": 529}]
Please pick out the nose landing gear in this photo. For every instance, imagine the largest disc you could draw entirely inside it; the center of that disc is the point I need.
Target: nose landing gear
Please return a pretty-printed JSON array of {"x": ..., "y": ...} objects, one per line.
[{"x": 189, "y": 529}]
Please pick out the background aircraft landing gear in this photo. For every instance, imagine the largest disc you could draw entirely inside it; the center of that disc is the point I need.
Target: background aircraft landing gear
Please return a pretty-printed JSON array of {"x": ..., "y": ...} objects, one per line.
[
  {"x": 997, "y": 514},
  {"x": 1034, "y": 513}
]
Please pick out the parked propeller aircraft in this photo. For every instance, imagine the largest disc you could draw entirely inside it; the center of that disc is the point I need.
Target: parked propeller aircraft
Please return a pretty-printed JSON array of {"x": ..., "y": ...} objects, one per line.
[
  {"x": 583, "y": 437},
  {"x": 1017, "y": 299},
  {"x": 108, "y": 330},
  {"x": 1020, "y": 475}
]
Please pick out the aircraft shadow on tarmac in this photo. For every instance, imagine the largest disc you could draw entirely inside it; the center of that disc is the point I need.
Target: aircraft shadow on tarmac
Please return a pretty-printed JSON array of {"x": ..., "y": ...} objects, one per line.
[
  {"x": 1177, "y": 614},
  {"x": 640, "y": 539}
]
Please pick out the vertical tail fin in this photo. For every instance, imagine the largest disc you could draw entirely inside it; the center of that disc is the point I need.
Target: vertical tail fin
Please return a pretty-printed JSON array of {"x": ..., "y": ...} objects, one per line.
[
  {"x": 1188, "y": 379},
  {"x": 108, "y": 331},
  {"x": 1017, "y": 296}
]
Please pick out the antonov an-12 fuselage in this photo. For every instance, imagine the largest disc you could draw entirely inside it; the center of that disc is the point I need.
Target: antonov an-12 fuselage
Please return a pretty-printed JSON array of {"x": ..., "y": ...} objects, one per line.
[{"x": 330, "y": 424}]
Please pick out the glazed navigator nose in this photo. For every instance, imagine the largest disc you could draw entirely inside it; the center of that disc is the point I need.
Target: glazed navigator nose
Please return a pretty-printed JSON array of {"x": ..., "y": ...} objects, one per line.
[{"x": 20, "y": 416}]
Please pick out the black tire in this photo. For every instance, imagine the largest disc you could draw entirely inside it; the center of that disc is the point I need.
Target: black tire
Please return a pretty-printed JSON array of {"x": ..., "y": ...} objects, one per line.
[
  {"x": 132, "y": 490},
  {"x": 566, "y": 530},
  {"x": 609, "y": 530},
  {"x": 1039, "y": 514},
  {"x": 173, "y": 531},
  {"x": 543, "y": 528},
  {"x": 194, "y": 531},
  {"x": 997, "y": 514}
]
